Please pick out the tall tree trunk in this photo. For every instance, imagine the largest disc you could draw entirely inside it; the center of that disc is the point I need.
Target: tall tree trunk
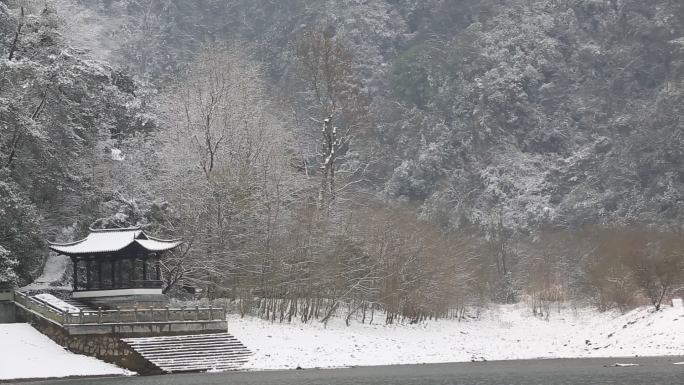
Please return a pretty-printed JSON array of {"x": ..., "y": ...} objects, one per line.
[{"x": 15, "y": 41}]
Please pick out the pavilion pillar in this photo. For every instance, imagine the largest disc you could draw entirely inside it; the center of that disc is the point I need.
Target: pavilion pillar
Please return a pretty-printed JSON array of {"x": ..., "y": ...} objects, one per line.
[
  {"x": 113, "y": 266},
  {"x": 88, "y": 263},
  {"x": 118, "y": 275},
  {"x": 99, "y": 274},
  {"x": 74, "y": 263},
  {"x": 134, "y": 274},
  {"x": 144, "y": 272},
  {"x": 157, "y": 269}
]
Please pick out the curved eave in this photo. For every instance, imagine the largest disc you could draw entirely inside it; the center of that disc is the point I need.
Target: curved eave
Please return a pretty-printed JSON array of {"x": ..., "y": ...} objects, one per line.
[
  {"x": 152, "y": 246},
  {"x": 81, "y": 253},
  {"x": 179, "y": 240},
  {"x": 60, "y": 247},
  {"x": 65, "y": 244}
]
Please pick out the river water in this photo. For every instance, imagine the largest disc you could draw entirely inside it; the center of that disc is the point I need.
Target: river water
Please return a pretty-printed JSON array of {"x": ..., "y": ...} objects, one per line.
[{"x": 594, "y": 371}]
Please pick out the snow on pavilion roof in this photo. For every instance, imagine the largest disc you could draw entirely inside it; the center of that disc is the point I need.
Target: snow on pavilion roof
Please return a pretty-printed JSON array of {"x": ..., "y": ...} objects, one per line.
[{"x": 111, "y": 240}]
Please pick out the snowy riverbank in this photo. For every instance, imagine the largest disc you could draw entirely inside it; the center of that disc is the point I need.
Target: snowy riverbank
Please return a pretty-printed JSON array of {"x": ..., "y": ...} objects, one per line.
[
  {"x": 501, "y": 333},
  {"x": 26, "y": 353}
]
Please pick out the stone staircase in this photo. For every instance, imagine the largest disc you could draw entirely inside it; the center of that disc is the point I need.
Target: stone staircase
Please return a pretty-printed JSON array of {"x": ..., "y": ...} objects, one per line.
[
  {"x": 192, "y": 353},
  {"x": 80, "y": 305}
]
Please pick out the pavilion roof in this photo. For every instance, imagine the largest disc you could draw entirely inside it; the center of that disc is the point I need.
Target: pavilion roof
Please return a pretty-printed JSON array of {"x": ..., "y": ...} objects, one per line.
[{"x": 112, "y": 240}]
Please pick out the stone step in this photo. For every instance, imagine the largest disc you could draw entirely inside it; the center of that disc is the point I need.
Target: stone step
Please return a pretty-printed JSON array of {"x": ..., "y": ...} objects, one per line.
[
  {"x": 196, "y": 357},
  {"x": 152, "y": 347},
  {"x": 199, "y": 364},
  {"x": 184, "y": 353},
  {"x": 82, "y": 306},
  {"x": 203, "y": 360},
  {"x": 181, "y": 338},
  {"x": 195, "y": 351},
  {"x": 200, "y": 368},
  {"x": 206, "y": 363},
  {"x": 175, "y": 346},
  {"x": 211, "y": 338}
]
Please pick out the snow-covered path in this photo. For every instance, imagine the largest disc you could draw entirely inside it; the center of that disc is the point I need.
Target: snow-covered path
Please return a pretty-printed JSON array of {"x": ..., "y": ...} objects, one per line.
[
  {"x": 505, "y": 332},
  {"x": 54, "y": 270},
  {"x": 26, "y": 353}
]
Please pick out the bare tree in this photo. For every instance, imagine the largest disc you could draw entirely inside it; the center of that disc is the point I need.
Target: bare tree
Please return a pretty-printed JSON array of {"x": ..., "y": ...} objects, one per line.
[
  {"x": 15, "y": 42},
  {"x": 635, "y": 262},
  {"x": 334, "y": 144},
  {"x": 657, "y": 265},
  {"x": 225, "y": 166},
  {"x": 330, "y": 90}
]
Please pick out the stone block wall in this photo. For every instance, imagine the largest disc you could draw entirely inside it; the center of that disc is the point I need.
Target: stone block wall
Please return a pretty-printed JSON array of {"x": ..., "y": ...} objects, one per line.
[
  {"x": 7, "y": 315},
  {"x": 106, "y": 347}
]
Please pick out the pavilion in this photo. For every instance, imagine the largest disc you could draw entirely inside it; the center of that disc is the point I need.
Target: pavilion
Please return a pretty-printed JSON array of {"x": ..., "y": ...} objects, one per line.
[{"x": 112, "y": 266}]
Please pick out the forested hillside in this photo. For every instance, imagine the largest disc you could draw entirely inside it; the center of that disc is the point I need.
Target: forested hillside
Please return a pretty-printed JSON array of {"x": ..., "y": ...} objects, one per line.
[{"x": 331, "y": 157}]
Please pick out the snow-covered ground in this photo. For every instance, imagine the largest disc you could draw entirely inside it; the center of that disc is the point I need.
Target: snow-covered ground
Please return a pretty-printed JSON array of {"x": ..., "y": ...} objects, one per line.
[
  {"x": 501, "y": 333},
  {"x": 26, "y": 353}
]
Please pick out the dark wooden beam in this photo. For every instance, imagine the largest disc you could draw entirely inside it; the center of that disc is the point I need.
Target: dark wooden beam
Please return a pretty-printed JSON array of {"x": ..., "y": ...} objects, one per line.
[
  {"x": 88, "y": 263},
  {"x": 99, "y": 274},
  {"x": 112, "y": 266},
  {"x": 157, "y": 268},
  {"x": 74, "y": 263},
  {"x": 134, "y": 275},
  {"x": 119, "y": 275}
]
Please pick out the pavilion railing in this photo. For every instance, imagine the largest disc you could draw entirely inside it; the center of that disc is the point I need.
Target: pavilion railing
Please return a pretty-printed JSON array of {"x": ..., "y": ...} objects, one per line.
[
  {"x": 38, "y": 307},
  {"x": 120, "y": 316},
  {"x": 151, "y": 314},
  {"x": 147, "y": 283},
  {"x": 133, "y": 284}
]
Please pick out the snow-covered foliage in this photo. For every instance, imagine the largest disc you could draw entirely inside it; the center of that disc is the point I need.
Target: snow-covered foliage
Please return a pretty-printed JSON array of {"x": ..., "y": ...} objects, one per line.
[
  {"x": 8, "y": 265},
  {"x": 20, "y": 241},
  {"x": 530, "y": 89},
  {"x": 60, "y": 112},
  {"x": 493, "y": 149},
  {"x": 458, "y": 87}
]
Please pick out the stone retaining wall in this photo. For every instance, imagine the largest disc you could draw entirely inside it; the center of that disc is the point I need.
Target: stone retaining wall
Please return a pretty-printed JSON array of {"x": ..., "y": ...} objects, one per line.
[
  {"x": 109, "y": 348},
  {"x": 7, "y": 312},
  {"x": 150, "y": 329}
]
